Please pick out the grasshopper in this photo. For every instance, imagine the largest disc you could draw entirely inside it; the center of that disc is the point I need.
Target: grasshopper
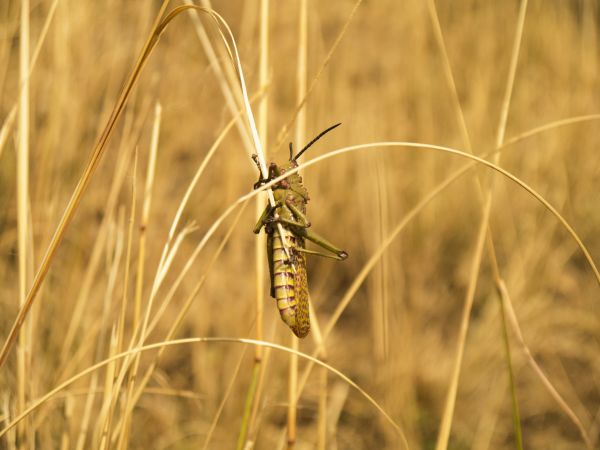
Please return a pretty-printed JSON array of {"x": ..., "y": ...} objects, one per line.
[{"x": 287, "y": 262}]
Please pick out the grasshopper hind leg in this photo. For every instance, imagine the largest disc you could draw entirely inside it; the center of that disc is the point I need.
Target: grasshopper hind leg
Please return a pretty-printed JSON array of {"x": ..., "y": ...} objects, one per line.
[{"x": 338, "y": 253}]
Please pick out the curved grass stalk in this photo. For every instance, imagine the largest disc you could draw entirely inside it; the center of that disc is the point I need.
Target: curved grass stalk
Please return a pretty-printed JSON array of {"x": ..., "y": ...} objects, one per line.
[
  {"x": 164, "y": 344},
  {"x": 462, "y": 154},
  {"x": 549, "y": 126}
]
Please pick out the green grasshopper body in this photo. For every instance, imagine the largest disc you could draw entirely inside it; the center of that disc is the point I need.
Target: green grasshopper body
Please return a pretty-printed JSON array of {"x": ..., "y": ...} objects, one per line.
[{"x": 286, "y": 252}]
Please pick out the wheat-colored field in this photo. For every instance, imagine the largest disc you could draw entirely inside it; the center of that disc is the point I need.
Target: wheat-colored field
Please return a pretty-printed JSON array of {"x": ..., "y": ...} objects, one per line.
[{"x": 467, "y": 313}]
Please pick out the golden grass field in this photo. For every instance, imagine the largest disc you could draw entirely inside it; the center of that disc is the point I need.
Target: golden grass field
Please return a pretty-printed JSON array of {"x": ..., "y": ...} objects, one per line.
[{"x": 468, "y": 307}]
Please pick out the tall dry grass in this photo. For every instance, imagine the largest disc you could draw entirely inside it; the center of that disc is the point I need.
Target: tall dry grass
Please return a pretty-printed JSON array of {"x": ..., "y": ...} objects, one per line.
[{"x": 466, "y": 311}]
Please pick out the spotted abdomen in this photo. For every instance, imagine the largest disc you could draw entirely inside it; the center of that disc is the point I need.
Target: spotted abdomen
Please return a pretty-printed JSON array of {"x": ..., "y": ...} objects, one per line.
[{"x": 290, "y": 284}]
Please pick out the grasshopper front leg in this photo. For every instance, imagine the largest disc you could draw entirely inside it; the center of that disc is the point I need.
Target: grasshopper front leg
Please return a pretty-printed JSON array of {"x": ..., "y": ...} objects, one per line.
[
  {"x": 302, "y": 221},
  {"x": 261, "y": 220},
  {"x": 266, "y": 218},
  {"x": 261, "y": 180}
]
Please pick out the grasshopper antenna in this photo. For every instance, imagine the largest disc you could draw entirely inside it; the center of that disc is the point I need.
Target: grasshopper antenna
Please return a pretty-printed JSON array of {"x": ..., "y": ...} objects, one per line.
[
  {"x": 291, "y": 152},
  {"x": 319, "y": 136}
]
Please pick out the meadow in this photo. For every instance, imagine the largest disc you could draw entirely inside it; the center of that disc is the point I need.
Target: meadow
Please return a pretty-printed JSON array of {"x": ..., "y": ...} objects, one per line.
[{"x": 463, "y": 183}]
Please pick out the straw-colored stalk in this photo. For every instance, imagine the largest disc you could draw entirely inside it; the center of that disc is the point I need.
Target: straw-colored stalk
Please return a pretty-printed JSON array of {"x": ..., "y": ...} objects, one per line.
[
  {"x": 115, "y": 385},
  {"x": 22, "y": 217},
  {"x": 113, "y": 276},
  {"x": 101, "y": 339},
  {"x": 260, "y": 256},
  {"x": 446, "y": 422},
  {"x": 300, "y": 133},
  {"x": 379, "y": 301},
  {"x": 143, "y": 230}
]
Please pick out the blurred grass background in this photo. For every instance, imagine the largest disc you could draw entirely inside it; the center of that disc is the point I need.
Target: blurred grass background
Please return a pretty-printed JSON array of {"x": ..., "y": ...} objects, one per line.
[{"x": 398, "y": 337}]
